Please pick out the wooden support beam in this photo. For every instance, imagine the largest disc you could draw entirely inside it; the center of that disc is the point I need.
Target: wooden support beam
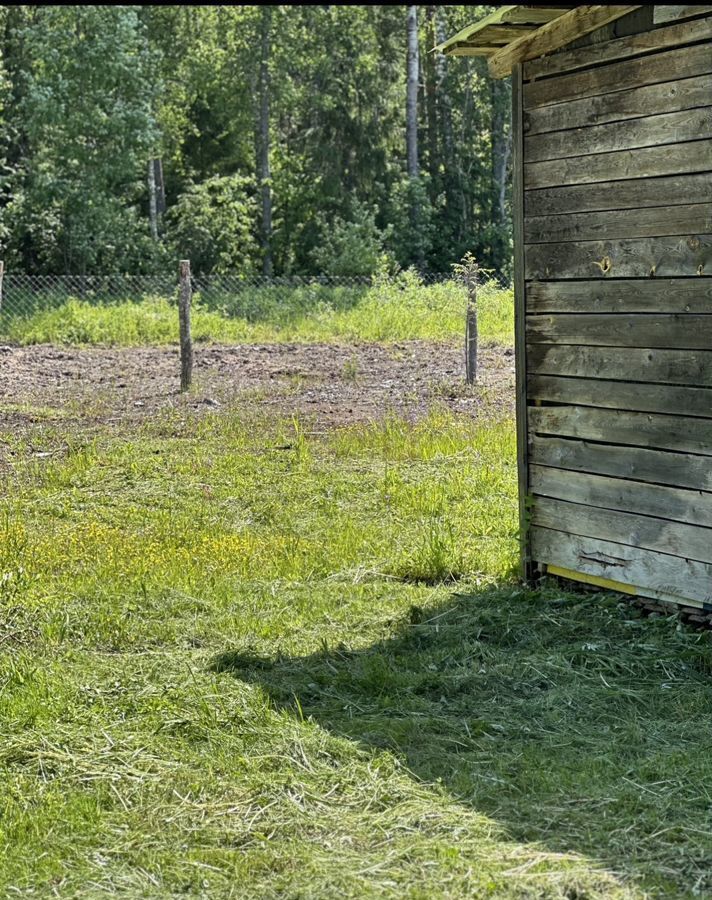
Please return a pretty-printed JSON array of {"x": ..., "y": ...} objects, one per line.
[{"x": 550, "y": 37}]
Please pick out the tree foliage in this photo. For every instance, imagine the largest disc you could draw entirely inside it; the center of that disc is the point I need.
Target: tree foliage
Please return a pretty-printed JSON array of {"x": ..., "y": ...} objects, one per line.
[{"x": 89, "y": 94}]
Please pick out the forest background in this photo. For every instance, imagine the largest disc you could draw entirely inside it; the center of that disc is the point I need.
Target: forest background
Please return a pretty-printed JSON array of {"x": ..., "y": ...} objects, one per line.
[{"x": 252, "y": 139}]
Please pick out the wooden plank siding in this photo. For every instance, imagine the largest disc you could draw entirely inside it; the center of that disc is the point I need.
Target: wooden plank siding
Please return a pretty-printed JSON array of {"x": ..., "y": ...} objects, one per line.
[
  {"x": 685, "y": 256},
  {"x": 685, "y": 331},
  {"x": 646, "y": 532},
  {"x": 627, "y": 364},
  {"x": 661, "y": 572},
  {"x": 620, "y": 165},
  {"x": 646, "y": 131},
  {"x": 616, "y": 167},
  {"x": 609, "y": 224},
  {"x": 666, "y": 66},
  {"x": 683, "y": 434},
  {"x": 677, "y": 35},
  {"x": 638, "y": 464},
  {"x": 632, "y": 395},
  {"x": 633, "y": 193},
  {"x": 664, "y": 502},
  {"x": 616, "y": 295},
  {"x": 632, "y": 103}
]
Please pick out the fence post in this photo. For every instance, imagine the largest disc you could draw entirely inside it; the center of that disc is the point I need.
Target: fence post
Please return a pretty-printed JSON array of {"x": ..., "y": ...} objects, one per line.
[
  {"x": 468, "y": 270},
  {"x": 2, "y": 273},
  {"x": 186, "y": 341}
]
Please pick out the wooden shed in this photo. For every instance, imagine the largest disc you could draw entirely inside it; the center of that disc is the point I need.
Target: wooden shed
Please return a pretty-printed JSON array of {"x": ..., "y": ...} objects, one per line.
[{"x": 612, "y": 203}]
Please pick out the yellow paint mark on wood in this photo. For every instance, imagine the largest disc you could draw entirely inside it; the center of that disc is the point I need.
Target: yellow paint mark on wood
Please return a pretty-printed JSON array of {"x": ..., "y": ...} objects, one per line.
[{"x": 607, "y": 583}]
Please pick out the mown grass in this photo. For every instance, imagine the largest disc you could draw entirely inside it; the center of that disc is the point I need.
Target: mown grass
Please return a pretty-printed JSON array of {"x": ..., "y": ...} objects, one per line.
[
  {"x": 241, "y": 659},
  {"x": 393, "y": 309}
]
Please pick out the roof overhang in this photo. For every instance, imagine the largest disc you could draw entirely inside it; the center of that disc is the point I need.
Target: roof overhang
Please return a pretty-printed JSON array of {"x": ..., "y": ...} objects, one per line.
[{"x": 513, "y": 34}]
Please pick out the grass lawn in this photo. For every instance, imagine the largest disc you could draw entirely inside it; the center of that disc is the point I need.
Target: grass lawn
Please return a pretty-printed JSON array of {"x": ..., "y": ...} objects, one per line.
[
  {"x": 251, "y": 654},
  {"x": 242, "y": 659}
]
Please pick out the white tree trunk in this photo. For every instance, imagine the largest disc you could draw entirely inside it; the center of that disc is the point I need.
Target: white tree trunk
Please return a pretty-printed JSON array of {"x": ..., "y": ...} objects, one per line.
[
  {"x": 152, "y": 206},
  {"x": 263, "y": 167},
  {"x": 411, "y": 105}
]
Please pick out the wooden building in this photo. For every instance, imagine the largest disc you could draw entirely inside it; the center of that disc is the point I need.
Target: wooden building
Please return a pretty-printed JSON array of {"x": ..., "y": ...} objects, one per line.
[{"x": 612, "y": 203}]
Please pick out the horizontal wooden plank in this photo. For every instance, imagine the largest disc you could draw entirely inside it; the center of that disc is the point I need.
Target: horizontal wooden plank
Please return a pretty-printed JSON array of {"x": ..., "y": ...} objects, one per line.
[
  {"x": 654, "y": 99},
  {"x": 643, "y": 162},
  {"x": 662, "y": 501},
  {"x": 685, "y": 331},
  {"x": 612, "y": 426},
  {"x": 647, "y": 131},
  {"x": 501, "y": 33},
  {"x": 646, "y": 532},
  {"x": 633, "y": 565},
  {"x": 533, "y": 15},
  {"x": 689, "y": 256},
  {"x": 658, "y": 398},
  {"x": 668, "y": 13},
  {"x": 636, "y": 193},
  {"x": 652, "y": 295},
  {"x": 684, "y": 470},
  {"x": 683, "y": 367},
  {"x": 609, "y": 224},
  {"x": 630, "y": 46},
  {"x": 665, "y": 66}
]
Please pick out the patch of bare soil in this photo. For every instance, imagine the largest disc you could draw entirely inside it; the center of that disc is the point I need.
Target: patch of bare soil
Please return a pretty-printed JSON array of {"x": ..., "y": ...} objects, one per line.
[{"x": 330, "y": 384}]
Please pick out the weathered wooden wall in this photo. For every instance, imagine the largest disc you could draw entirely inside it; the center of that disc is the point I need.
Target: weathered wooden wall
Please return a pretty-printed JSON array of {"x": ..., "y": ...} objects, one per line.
[{"x": 615, "y": 304}]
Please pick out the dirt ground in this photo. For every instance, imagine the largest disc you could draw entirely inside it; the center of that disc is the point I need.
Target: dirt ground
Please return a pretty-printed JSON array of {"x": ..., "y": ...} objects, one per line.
[{"x": 327, "y": 383}]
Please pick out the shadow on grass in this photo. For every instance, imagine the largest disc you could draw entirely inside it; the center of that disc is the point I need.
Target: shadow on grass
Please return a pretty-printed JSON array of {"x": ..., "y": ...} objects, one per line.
[{"x": 561, "y": 715}]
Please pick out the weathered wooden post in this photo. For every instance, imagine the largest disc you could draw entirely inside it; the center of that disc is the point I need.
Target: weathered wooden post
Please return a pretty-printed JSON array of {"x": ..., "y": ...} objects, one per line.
[
  {"x": 186, "y": 341},
  {"x": 468, "y": 270}
]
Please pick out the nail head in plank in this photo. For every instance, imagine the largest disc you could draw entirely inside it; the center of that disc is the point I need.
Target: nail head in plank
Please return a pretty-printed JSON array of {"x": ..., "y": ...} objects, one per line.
[{"x": 680, "y": 256}]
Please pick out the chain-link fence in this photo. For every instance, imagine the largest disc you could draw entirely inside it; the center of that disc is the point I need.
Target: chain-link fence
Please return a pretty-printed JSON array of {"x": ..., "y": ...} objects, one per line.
[
  {"x": 143, "y": 308},
  {"x": 242, "y": 296}
]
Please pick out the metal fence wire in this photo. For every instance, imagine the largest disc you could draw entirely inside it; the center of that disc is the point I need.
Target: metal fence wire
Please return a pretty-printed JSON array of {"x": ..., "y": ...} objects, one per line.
[{"x": 245, "y": 297}]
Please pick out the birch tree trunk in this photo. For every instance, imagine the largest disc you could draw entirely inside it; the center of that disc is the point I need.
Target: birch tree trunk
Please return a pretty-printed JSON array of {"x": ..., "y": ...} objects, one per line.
[
  {"x": 431, "y": 101},
  {"x": 444, "y": 105},
  {"x": 501, "y": 150},
  {"x": 152, "y": 206},
  {"x": 411, "y": 104},
  {"x": 263, "y": 147}
]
